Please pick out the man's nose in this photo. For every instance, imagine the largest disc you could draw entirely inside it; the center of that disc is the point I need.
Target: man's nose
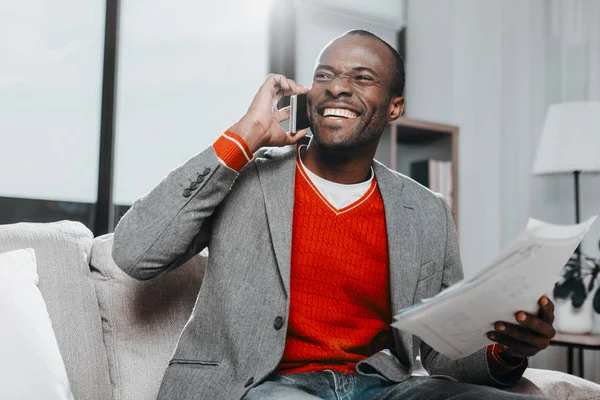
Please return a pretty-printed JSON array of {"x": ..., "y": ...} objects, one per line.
[{"x": 340, "y": 85}]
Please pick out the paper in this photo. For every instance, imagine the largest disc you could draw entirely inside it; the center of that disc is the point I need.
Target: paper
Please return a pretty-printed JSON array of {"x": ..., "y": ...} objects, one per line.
[{"x": 456, "y": 320}]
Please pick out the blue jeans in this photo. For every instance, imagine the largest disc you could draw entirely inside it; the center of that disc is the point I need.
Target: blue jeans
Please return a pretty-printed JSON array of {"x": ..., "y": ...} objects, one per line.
[{"x": 331, "y": 385}]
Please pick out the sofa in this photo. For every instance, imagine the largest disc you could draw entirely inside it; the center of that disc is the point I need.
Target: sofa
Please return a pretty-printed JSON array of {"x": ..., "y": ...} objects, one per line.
[{"x": 116, "y": 335}]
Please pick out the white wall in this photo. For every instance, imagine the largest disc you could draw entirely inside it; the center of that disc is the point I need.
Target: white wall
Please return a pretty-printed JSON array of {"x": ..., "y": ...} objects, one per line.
[
  {"x": 187, "y": 71},
  {"x": 430, "y": 61},
  {"x": 50, "y": 84},
  {"x": 382, "y": 13},
  {"x": 453, "y": 69}
]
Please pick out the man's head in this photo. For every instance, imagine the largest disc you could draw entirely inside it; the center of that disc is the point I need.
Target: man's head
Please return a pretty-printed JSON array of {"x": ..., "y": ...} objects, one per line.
[{"x": 357, "y": 89}]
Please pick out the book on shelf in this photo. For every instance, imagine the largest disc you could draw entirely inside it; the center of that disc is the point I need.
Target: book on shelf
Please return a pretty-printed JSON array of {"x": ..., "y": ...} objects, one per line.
[{"x": 434, "y": 174}]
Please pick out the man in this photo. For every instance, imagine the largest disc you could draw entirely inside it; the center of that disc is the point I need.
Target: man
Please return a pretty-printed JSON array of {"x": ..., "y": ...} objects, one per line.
[{"x": 312, "y": 249}]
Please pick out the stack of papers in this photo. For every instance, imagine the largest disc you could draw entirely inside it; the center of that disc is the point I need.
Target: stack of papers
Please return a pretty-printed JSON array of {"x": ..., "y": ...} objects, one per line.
[{"x": 455, "y": 321}]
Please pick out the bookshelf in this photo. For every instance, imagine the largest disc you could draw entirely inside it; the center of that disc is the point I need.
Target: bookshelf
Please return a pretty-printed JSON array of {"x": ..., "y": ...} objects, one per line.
[{"x": 410, "y": 140}]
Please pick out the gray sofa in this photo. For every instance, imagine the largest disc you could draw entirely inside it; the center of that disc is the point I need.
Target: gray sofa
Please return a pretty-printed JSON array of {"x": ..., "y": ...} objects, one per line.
[{"x": 116, "y": 335}]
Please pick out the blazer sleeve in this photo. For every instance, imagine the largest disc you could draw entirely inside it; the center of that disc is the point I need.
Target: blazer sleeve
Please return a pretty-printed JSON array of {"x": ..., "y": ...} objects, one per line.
[
  {"x": 169, "y": 225},
  {"x": 474, "y": 368}
]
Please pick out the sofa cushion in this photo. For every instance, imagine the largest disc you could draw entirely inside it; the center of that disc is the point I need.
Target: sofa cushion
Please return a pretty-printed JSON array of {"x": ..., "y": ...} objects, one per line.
[
  {"x": 62, "y": 250},
  {"x": 142, "y": 320},
  {"x": 32, "y": 365}
]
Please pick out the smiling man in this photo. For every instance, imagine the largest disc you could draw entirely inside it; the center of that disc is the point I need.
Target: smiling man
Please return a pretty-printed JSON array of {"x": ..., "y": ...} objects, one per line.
[{"x": 312, "y": 249}]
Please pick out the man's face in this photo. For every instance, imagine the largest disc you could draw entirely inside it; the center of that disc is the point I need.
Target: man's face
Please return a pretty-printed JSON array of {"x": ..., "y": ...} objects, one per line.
[{"x": 350, "y": 95}]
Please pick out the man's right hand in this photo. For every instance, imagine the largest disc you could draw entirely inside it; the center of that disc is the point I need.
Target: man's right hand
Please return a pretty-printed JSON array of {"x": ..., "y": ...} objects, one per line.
[{"x": 259, "y": 127}]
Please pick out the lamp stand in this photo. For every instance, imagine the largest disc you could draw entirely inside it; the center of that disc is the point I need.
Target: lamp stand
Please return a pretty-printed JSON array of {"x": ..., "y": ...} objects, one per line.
[
  {"x": 578, "y": 253},
  {"x": 577, "y": 216}
]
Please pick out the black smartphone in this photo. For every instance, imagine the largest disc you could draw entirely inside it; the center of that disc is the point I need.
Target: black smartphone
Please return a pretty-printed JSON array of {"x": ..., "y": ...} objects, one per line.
[{"x": 298, "y": 113}]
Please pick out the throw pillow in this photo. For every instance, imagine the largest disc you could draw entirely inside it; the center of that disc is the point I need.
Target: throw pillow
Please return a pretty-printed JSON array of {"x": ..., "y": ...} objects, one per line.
[
  {"x": 141, "y": 320},
  {"x": 31, "y": 366}
]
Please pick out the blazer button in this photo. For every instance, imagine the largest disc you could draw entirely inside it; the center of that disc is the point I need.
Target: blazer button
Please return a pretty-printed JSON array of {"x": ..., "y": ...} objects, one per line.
[
  {"x": 187, "y": 193},
  {"x": 194, "y": 185},
  {"x": 200, "y": 178},
  {"x": 206, "y": 171},
  {"x": 278, "y": 323},
  {"x": 249, "y": 381}
]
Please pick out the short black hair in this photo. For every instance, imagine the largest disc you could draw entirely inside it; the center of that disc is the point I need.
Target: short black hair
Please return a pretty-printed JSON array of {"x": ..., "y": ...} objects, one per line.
[{"x": 397, "y": 88}]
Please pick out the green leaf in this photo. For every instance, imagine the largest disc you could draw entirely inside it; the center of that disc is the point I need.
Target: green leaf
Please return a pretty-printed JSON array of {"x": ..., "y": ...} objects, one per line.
[
  {"x": 562, "y": 290},
  {"x": 579, "y": 294},
  {"x": 597, "y": 301}
]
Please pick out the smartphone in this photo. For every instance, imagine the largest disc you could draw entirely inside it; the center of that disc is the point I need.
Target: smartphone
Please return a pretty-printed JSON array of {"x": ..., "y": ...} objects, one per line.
[{"x": 298, "y": 113}]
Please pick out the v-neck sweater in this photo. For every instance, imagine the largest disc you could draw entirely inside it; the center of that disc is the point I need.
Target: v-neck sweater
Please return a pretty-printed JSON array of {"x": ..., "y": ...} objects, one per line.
[{"x": 339, "y": 281}]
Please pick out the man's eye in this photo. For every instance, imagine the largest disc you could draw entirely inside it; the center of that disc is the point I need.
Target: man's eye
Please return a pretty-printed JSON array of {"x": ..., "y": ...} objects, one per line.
[
  {"x": 322, "y": 75},
  {"x": 363, "y": 78}
]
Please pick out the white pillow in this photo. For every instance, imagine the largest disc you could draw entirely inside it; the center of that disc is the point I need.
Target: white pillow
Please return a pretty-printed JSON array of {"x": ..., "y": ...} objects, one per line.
[{"x": 31, "y": 366}]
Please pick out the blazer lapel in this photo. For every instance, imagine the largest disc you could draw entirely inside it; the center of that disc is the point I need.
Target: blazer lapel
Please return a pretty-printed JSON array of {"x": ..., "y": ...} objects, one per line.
[
  {"x": 401, "y": 226},
  {"x": 277, "y": 176}
]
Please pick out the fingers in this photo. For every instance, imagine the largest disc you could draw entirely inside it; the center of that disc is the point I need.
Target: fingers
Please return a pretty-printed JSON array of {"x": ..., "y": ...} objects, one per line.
[
  {"x": 280, "y": 137},
  {"x": 535, "y": 324},
  {"x": 280, "y": 86},
  {"x": 524, "y": 339},
  {"x": 512, "y": 346},
  {"x": 522, "y": 334},
  {"x": 530, "y": 334},
  {"x": 293, "y": 139},
  {"x": 546, "y": 309},
  {"x": 282, "y": 114}
]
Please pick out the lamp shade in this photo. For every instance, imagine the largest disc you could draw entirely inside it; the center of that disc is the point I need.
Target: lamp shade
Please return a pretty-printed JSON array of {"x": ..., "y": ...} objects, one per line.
[{"x": 570, "y": 140}]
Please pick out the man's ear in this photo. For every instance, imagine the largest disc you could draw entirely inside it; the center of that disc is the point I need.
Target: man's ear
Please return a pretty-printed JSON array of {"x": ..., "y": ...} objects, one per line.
[{"x": 396, "y": 108}]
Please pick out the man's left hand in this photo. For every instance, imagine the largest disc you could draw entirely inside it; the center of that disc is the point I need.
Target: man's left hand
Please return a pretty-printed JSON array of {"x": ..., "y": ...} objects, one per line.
[{"x": 529, "y": 334}]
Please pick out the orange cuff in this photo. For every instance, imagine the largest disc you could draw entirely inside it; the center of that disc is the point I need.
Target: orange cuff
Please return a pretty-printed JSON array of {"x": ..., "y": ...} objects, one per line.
[
  {"x": 233, "y": 150},
  {"x": 498, "y": 364}
]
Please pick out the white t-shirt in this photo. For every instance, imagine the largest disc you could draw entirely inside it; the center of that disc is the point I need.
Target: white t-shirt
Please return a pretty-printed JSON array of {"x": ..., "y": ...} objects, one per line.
[{"x": 338, "y": 194}]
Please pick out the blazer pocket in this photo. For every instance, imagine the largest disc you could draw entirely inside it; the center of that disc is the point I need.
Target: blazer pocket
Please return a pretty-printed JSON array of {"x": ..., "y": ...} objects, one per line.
[
  {"x": 208, "y": 353},
  {"x": 205, "y": 355},
  {"x": 427, "y": 270},
  {"x": 197, "y": 363}
]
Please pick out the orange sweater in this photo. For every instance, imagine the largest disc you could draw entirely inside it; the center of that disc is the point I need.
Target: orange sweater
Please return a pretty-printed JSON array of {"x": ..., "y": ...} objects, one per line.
[{"x": 339, "y": 287}]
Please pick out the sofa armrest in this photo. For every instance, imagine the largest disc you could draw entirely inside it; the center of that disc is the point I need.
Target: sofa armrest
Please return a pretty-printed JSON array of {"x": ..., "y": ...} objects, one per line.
[
  {"x": 556, "y": 385},
  {"x": 542, "y": 382}
]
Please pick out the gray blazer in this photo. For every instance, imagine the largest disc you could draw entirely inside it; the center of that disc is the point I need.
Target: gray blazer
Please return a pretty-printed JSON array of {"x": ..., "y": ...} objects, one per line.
[{"x": 235, "y": 336}]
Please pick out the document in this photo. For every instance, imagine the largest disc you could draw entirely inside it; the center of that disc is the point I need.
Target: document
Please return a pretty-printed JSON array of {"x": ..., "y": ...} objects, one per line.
[{"x": 456, "y": 320}]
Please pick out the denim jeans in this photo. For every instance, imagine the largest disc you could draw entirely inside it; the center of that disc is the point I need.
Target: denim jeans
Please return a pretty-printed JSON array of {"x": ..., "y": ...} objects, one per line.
[{"x": 331, "y": 385}]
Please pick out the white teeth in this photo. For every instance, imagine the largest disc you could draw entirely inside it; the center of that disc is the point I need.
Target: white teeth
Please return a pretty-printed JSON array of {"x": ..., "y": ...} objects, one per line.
[{"x": 339, "y": 112}]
